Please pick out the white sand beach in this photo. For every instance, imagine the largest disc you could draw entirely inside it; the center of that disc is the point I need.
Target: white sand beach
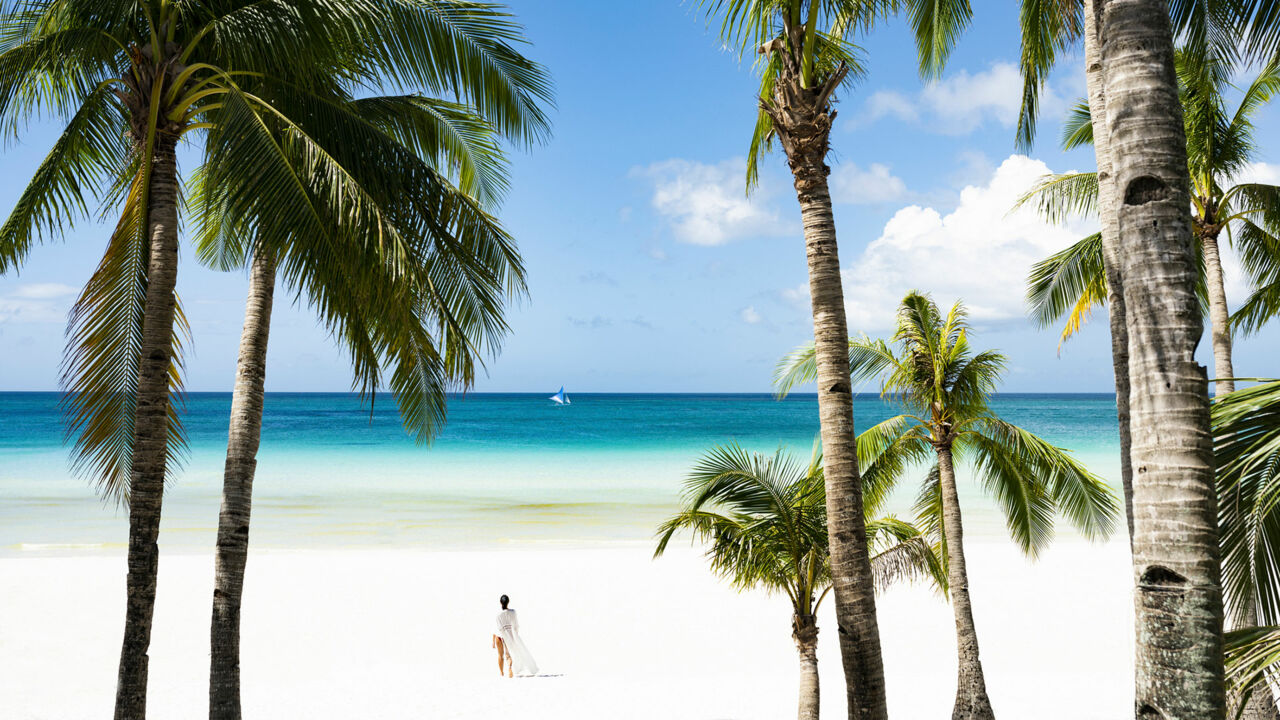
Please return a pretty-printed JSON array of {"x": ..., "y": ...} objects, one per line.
[{"x": 374, "y": 633}]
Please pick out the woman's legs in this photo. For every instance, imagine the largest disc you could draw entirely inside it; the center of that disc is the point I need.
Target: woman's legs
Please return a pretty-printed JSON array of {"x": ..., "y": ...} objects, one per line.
[{"x": 502, "y": 654}]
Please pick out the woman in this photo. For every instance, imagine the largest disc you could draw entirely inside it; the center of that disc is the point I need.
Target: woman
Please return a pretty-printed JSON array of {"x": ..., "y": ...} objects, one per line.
[{"x": 513, "y": 656}]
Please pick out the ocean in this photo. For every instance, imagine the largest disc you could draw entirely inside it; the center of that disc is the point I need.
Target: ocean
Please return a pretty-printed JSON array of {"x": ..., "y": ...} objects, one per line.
[{"x": 507, "y": 468}]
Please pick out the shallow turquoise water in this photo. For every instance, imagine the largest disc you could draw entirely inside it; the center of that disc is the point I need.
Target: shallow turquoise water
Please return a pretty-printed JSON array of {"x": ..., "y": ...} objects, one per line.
[{"x": 506, "y": 467}]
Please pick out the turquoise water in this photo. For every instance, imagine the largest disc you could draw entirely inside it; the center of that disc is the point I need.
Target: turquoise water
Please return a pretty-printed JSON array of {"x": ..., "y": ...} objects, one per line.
[{"x": 508, "y": 467}]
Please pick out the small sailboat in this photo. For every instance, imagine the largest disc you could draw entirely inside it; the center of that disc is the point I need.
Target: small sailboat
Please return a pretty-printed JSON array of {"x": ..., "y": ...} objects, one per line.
[{"x": 560, "y": 398}]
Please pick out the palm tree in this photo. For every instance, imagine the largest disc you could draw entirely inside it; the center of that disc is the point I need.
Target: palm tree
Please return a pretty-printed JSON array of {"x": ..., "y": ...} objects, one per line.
[
  {"x": 433, "y": 332},
  {"x": 131, "y": 78},
  {"x": 1142, "y": 161},
  {"x": 1220, "y": 145},
  {"x": 807, "y": 56},
  {"x": 1051, "y": 28},
  {"x": 945, "y": 388},
  {"x": 434, "y": 339},
  {"x": 764, "y": 520}
]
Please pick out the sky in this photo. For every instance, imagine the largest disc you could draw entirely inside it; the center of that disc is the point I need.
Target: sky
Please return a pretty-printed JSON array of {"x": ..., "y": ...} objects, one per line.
[{"x": 649, "y": 268}]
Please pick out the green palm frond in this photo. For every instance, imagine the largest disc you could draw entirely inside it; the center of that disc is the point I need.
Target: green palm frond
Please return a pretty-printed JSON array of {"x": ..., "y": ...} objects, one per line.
[
  {"x": 1077, "y": 129},
  {"x": 937, "y": 25},
  {"x": 902, "y": 552},
  {"x": 886, "y": 450},
  {"x": 100, "y": 368},
  {"x": 89, "y": 154},
  {"x": 1083, "y": 498},
  {"x": 1246, "y": 435},
  {"x": 1070, "y": 284},
  {"x": 1252, "y": 655},
  {"x": 457, "y": 142},
  {"x": 1049, "y": 29},
  {"x": 1059, "y": 197},
  {"x": 468, "y": 50}
]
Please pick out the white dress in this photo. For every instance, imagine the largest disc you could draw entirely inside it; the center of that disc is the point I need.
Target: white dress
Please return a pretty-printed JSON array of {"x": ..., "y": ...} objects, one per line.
[{"x": 509, "y": 630}]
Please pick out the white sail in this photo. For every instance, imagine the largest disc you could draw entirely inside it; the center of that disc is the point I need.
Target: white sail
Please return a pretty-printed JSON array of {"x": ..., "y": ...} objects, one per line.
[{"x": 560, "y": 398}]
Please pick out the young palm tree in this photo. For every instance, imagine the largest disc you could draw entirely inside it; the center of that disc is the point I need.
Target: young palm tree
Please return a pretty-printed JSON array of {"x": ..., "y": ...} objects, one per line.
[
  {"x": 945, "y": 388},
  {"x": 433, "y": 331},
  {"x": 807, "y": 56},
  {"x": 1220, "y": 144},
  {"x": 765, "y": 521},
  {"x": 133, "y": 77},
  {"x": 432, "y": 339}
]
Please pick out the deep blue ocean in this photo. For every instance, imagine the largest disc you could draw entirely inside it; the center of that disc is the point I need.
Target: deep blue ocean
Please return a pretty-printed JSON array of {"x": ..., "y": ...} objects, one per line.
[{"x": 506, "y": 467}]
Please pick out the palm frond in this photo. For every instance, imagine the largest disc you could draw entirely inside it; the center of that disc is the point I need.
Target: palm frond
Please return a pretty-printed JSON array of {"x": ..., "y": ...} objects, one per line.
[
  {"x": 1246, "y": 437},
  {"x": 1049, "y": 28},
  {"x": 1070, "y": 284},
  {"x": 100, "y": 369}
]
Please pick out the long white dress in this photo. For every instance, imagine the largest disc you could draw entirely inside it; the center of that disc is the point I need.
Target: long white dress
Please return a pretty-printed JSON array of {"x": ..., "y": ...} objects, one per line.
[{"x": 509, "y": 630}]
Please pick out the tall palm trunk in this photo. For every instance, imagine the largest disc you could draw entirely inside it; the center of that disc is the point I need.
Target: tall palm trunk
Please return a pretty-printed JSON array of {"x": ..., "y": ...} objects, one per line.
[
  {"x": 150, "y": 430},
  {"x": 805, "y": 632},
  {"x": 1110, "y": 250},
  {"x": 237, "y": 493},
  {"x": 972, "y": 702},
  {"x": 802, "y": 121},
  {"x": 1178, "y": 591},
  {"x": 1219, "y": 316}
]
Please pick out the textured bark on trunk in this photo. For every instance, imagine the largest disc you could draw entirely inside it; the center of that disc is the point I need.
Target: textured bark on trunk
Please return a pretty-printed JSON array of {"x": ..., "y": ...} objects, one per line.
[
  {"x": 237, "y": 493},
  {"x": 150, "y": 430},
  {"x": 1107, "y": 202},
  {"x": 972, "y": 702},
  {"x": 1219, "y": 316},
  {"x": 1178, "y": 592},
  {"x": 802, "y": 121},
  {"x": 804, "y": 631}
]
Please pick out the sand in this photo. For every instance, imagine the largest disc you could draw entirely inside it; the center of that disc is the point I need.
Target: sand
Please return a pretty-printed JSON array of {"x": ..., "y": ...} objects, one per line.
[{"x": 399, "y": 633}]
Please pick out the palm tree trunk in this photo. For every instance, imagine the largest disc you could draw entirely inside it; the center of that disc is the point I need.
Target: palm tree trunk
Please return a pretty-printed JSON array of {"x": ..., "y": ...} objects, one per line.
[
  {"x": 972, "y": 702},
  {"x": 1219, "y": 316},
  {"x": 1110, "y": 250},
  {"x": 1178, "y": 591},
  {"x": 150, "y": 430},
  {"x": 237, "y": 493},
  {"x": 802, "y": 122},
  {"x": 805, "y": 632}
]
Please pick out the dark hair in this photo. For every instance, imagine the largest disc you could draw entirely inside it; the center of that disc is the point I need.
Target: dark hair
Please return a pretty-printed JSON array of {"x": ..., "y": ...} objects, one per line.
[{"x": 504, "y": 600}]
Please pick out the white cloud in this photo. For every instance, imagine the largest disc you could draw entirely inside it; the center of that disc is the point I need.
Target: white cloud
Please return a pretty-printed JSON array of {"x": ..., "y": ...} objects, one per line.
[
  {"x": 36, "y": 303},
  {"x": 978, "y": 252},
  {"x": 750, "y": 316},
  {"x": 873, "y": 186},
  {"x": 890, "y": 103},
  {"x": 708, "y": 205},
  {"x": 962, "y": 102}
]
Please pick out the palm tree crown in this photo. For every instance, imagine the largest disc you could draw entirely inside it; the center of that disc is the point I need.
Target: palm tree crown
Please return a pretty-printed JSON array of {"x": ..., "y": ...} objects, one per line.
[
  {"x": 765, "y": 520},
  {"x": 945, "y": 389}
]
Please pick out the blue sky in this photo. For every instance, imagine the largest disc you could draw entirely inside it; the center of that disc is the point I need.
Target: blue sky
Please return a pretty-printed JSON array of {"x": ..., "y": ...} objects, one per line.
[{"x": 649, "y": 269}]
